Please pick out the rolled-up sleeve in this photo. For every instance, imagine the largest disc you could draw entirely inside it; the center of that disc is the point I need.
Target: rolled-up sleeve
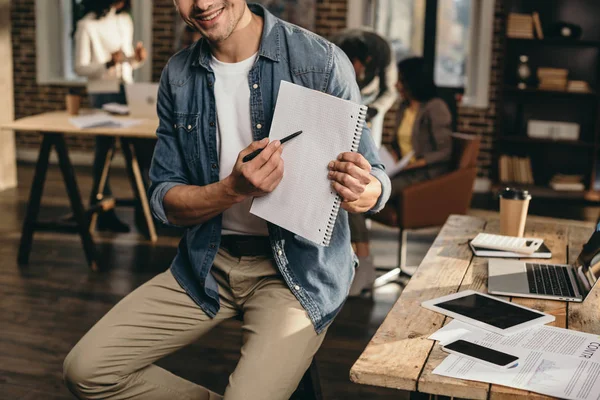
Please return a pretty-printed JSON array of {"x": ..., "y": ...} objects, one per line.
[
  {"x": 342, "y": 83},
  {"x": 168, "y": 167}
]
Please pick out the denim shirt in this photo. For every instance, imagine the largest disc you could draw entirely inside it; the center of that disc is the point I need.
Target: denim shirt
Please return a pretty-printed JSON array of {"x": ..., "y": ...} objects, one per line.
[{"x": 186, "y": 154}]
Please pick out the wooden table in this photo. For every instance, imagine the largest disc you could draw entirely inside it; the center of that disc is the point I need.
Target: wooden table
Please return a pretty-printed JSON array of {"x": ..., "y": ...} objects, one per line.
[
  {"x": 54, "y": 126},
  {"x": 400, "y": 355}
]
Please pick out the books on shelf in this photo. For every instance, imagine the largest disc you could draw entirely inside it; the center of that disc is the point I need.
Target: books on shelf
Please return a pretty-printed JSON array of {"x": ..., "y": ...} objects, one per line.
[
  {"x": 554, "y": 130},
  {"x": 537, "y": 24},
  {"x": 520, "y": 26},
  {"x": 567, "y": 183},
  {"x": 514, "y": 169},
  {"x": 552, "y": 78},
  {"x": 579, "y": 86}
]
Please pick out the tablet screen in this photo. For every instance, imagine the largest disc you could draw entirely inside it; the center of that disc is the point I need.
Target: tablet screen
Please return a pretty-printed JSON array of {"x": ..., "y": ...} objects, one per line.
[{"x": 489, "y": 311}]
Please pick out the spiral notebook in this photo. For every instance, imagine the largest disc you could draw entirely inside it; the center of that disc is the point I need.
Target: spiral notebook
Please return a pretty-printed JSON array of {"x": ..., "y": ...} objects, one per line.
[{"x": 304, "y": 202}]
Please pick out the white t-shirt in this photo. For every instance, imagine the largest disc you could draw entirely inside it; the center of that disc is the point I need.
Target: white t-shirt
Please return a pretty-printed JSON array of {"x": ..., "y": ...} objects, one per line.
[{"x": 234, "y": 133}]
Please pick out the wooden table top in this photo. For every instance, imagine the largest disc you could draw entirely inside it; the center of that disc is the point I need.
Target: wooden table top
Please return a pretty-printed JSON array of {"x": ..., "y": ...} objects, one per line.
[
  {"x": 58, "y": 122},
  {"x": 400, "y": 355}
]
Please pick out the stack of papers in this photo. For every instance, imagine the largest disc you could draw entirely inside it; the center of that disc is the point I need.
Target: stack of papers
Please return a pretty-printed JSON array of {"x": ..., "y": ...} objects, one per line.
[
  {"x": 102, "y": 120},
  {"x": 553, "y": 361}
]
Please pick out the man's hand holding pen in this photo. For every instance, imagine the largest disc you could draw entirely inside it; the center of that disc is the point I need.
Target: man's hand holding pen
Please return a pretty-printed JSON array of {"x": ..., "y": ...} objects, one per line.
[{"x": 259, "y": 176}]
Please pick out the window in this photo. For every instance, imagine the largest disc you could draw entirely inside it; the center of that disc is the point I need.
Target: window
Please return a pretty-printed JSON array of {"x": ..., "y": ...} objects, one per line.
[
  {"x": 454, "y": 36},
  {"x": 400, "y": 21},
  {"x": 55, "y": 41},
  {"x": 452, "y": 42}
]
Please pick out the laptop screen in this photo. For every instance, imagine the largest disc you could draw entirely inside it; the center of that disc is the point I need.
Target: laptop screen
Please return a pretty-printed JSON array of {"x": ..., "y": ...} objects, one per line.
[{"x": 588, "y": 263}]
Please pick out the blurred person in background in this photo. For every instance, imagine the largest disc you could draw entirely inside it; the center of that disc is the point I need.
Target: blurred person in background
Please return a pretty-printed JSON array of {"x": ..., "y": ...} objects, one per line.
[
  {"x": 423, "y": 125},
  {"x": 105, "y": 55},
  {"x": 376, "y": 74}
]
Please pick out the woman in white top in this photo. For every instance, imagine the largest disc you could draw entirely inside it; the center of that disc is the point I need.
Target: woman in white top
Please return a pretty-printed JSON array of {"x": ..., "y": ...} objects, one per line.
[{"x": 105, "y": 55}]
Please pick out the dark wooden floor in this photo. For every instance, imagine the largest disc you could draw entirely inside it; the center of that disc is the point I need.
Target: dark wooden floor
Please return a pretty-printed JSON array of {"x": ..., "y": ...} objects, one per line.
[{"x": 46, "y": 307}]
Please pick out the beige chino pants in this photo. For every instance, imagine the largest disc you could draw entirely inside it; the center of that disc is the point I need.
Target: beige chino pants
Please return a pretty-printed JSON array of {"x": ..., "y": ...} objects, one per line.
[{"x": 114, "y": 360}]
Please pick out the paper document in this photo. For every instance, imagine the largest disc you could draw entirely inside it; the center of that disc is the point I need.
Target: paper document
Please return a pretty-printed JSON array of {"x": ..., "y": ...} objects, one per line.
[
  {"x": 550, "y": 374},
  {"x": 391, "y": 166},
  {"x": 102, "y": 120},
  {"x": 553, "y": 361},
  {"x": 547, "y": 339}
]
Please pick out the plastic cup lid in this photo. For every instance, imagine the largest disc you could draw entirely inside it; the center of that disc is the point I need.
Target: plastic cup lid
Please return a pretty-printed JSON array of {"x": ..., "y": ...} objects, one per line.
[{"x": 515, "y": 194}]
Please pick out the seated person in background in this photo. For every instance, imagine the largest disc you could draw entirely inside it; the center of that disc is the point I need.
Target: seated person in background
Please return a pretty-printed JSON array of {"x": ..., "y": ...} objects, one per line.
[
  {"x": 423, "y": 126},
  {"x": 104, "y": 53},
  {"x": 376, "y": 75}
]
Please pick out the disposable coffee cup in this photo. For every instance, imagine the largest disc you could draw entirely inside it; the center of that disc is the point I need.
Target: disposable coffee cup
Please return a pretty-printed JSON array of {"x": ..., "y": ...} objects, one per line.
[
  {"x": 514, "y": 204},
  {"x": 73, "y": 102}
]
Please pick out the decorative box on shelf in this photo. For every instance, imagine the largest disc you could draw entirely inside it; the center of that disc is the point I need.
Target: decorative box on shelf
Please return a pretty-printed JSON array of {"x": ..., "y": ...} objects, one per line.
[{"x": 555, "y": 130}]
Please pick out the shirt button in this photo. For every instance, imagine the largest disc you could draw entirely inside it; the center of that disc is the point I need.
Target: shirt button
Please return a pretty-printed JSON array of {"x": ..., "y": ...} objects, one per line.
[
  {"x": 209, "y": 84},
  {"x": 214, "y": 166},
  {"x": 212, "y": 246},
  {"x": 212, "y": 123},
  {"x": 258, "y": 126},
  {"x": 189, "y": 127},
  {"x": 255, "y": 86},
  {"x": 296, "y": 287}
]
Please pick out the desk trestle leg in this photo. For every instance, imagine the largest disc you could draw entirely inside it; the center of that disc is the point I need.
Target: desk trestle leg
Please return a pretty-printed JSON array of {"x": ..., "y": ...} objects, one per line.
[
  {"x": 35, "y": 197},
  {"x": 137, "y": 183},
  {"x": 75, "y": 198}
]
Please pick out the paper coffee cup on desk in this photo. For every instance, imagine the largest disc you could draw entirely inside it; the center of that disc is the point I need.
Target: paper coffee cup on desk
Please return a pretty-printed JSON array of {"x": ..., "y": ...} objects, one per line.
[
  {"x": 73, "y": 102},
  {"x": 514, "y": 204}
]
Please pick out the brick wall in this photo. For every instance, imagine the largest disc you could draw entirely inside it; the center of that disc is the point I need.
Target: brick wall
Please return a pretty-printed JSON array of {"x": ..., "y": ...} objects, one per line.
[
  {"x": 331, "y": 16},
  {"x": 486, "y": 122},
  {"x": 31, "y": 98}
]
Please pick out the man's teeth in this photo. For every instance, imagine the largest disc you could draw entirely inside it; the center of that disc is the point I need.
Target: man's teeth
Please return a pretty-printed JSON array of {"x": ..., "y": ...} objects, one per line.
[{"x": 212, "y": 16}]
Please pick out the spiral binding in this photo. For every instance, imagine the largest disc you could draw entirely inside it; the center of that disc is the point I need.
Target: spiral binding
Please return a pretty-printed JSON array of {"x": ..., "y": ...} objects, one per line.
[{"x": 358, "y": 129}]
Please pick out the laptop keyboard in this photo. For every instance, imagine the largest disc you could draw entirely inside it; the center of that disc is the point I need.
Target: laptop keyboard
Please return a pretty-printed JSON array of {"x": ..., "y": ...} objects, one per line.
[{"x": 549, "y": 279}]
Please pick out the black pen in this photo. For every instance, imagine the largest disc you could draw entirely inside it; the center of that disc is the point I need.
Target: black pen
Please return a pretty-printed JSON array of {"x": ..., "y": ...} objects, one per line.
[{"x": 250, "y": 157}]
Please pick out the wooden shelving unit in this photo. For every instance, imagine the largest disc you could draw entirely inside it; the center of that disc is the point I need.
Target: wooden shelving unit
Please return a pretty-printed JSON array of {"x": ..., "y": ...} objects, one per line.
[{"x": 581, "y": 57}]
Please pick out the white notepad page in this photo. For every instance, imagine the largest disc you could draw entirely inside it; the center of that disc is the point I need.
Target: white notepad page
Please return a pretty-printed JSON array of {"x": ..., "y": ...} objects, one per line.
[{"x": 304, "y": 202}]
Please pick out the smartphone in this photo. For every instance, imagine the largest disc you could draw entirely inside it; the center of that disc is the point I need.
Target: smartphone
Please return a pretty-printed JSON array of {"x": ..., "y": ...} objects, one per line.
[{"x": 482, "y": 354}]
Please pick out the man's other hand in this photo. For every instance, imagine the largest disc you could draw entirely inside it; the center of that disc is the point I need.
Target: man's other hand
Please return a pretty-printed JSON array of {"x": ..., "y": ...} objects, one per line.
[{"x": 351, "y": 177}]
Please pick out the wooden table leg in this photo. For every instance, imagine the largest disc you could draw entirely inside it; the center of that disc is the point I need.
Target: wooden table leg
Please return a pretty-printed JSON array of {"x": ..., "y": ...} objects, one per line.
[
  {"x": 98, "y": 188},
  {"x": 35, "y": 197},
  {"x": 137, "y": 184},
  {"x": 75, "y": 199}
]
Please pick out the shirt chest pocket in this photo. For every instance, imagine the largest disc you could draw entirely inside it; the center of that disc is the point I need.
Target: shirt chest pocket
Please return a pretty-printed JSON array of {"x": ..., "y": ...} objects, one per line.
[{"x": 187, "y": 131}]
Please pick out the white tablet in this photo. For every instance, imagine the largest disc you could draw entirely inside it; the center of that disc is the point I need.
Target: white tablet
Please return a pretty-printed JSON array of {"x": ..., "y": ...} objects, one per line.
[{"x": 487, "y": 312}]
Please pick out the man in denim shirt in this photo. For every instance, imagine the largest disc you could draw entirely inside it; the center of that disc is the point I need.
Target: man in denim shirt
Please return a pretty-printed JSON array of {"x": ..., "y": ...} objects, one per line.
[{"x": 216, "y": 103}]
